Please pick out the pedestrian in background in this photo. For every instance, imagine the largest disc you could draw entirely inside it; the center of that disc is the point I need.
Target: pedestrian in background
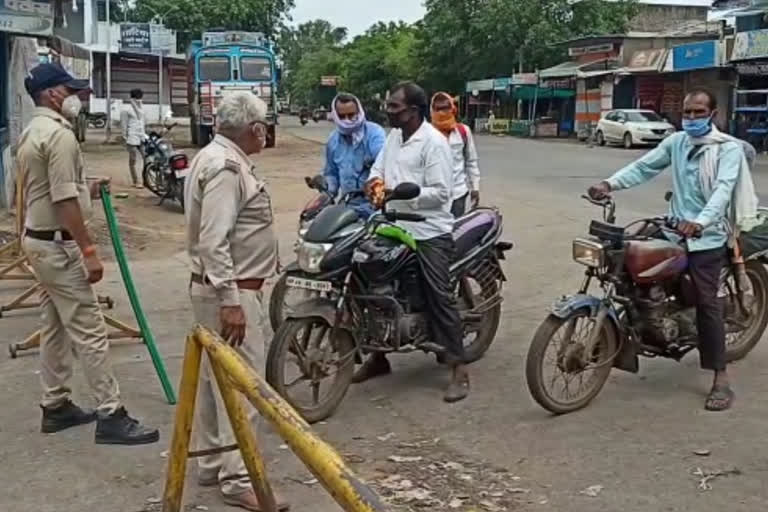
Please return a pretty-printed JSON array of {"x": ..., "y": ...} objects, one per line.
[
  {"x": 466, "y": 171},
  {"x": 66, "y": 264},
  {"x": 134, "y": 133},
  {"x": 232, "y": 247}
]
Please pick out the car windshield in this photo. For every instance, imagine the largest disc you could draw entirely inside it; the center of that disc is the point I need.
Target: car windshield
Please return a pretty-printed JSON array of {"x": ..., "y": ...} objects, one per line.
[
  {"x": 643, "y": 117},
  {"x": 215, "y": 69},
  {"x": 255, "y": 68}
]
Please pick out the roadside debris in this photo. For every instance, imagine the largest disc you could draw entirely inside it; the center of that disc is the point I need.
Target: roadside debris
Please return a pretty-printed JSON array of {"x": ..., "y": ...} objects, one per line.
[
  {"x": 593, "y": 491},
  {"x": 706, "y": 476}
]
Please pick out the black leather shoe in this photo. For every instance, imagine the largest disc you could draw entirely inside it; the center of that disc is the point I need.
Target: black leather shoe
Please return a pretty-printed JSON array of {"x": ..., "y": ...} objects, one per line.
[
  {"x": 119, "y": 428},
  {"x": 65, "y": 416}
]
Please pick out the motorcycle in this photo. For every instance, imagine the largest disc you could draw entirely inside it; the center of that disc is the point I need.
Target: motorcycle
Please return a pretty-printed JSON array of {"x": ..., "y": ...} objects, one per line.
[
  {"x": 97, "y": 119},
  {"x": 303, "y": 120},
  {"x": 285, "y": 294},
  {"x": 371, "y": 299},
  {"x": 647, "y": 308},
  {"x": 165, "y": 170}
]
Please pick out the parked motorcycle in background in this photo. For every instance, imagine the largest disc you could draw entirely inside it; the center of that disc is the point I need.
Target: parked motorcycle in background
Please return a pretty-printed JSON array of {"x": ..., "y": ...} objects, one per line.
[
  {"x": 646, "y": 308},
  {"x": 165, "y": 169}
]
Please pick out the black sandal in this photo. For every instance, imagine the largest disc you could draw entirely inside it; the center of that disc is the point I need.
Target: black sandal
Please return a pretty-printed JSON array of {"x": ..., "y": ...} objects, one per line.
[{"x": 720, "y": 398}]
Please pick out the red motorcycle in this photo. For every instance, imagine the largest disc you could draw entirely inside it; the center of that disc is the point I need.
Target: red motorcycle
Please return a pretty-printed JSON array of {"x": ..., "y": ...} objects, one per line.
[{"x": 647, "y": 308}]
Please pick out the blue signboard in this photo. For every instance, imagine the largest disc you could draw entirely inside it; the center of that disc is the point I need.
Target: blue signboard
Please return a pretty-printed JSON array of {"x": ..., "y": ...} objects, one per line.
[{"x": 695, "y": 56}]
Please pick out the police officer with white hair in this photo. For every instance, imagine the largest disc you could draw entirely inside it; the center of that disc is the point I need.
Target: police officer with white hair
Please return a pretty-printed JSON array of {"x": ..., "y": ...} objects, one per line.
[{"x": 233, "y": 249}]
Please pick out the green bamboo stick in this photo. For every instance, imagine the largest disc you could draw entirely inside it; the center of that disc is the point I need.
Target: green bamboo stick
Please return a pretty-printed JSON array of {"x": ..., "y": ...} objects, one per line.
[{"x": 125, "y": 272}]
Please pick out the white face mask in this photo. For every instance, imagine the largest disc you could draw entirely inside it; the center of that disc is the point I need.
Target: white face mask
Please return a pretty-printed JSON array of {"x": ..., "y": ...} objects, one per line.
[{"x": 71, "y": 107}]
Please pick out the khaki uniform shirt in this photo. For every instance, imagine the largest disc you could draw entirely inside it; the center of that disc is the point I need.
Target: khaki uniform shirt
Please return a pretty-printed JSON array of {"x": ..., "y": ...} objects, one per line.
[
  {"x": 52, "y": 169},
  {"x": 230, "y": 234}
]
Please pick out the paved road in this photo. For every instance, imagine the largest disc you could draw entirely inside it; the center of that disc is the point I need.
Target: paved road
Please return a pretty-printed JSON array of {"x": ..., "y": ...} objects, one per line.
[{"x": 637, "y": 438}]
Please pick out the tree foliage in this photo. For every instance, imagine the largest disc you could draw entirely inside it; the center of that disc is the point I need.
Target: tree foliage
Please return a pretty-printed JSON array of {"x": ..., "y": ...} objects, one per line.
[
  {"x": 456, "y": 41},
  {"x": 192, "y": 17}
]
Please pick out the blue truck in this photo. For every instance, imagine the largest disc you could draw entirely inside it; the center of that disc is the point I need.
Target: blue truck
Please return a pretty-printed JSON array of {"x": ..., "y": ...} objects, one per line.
[{"x": 226, "y": 62}]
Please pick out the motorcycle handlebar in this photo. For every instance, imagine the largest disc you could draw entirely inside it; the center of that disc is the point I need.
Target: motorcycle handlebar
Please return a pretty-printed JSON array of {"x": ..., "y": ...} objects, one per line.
[{"x": 408, "y": 217}]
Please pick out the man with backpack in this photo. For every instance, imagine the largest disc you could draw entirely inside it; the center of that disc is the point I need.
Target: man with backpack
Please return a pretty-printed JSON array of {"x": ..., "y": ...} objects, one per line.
[{"x": 466, "y": 173}]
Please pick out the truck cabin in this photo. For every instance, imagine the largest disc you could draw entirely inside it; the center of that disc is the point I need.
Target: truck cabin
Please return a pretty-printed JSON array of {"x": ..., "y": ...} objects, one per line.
[{"x": 233, "y": 68}]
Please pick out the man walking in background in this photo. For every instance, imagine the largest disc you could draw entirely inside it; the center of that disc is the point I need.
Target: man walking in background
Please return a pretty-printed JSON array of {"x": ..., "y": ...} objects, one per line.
[
  {"x": 351, "y": 150},
  {"x": 466, "y": 172},
  {"x": 134, "y": 131},
  {"x": 232, "y": 246}
]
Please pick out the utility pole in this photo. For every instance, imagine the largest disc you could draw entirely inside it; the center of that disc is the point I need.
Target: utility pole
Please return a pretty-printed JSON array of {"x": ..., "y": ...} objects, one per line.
[{"x": 109, "y": 74}]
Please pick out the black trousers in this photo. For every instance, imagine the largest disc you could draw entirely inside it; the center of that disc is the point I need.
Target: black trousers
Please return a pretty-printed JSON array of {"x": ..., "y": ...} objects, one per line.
[
  {"x": 459, "y": 206},
  {"x": 435, "y": 257},
  {"x": 705, "y": 268}
]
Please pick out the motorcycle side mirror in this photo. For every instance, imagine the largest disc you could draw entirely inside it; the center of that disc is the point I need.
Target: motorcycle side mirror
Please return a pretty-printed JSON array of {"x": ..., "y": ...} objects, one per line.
[
  {"x": 668, "y": 196},
  {"x": 317, "y": 182},
  {"x": 405, "y": 192}
]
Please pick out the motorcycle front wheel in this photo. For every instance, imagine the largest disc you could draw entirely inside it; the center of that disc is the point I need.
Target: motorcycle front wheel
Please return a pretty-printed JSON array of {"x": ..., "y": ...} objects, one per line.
[
  {"x": 323, "y": 361},
  {"x": 557, "y": 359},
  {"x": 283, "y": 299}
]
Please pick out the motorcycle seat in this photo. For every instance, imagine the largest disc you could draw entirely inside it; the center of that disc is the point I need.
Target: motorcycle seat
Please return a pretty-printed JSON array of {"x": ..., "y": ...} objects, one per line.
[{"x": 470, "y": 230}]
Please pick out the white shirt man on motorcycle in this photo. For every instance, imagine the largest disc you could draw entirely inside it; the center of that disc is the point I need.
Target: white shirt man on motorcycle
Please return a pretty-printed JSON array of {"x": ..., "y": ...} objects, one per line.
[{"x": 417, "y": 152}]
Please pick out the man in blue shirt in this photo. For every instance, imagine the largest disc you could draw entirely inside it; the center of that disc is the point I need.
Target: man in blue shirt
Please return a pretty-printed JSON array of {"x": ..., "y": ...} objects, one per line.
[
  {"x": 351, "y": 151},
  {"x": 700, "y": 212}
]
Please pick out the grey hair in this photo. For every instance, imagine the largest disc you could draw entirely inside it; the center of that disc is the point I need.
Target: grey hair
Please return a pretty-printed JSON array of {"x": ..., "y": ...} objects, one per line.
[{"x": 237, "y": 110}]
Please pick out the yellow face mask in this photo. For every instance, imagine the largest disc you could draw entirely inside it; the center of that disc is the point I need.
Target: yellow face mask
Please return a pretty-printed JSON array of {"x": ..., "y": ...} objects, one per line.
[{"x": 444, "y": 121}]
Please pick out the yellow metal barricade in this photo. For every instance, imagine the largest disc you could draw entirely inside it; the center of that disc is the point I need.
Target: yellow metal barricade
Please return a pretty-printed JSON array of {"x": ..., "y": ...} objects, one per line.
[{"x": 233, "y": 375}]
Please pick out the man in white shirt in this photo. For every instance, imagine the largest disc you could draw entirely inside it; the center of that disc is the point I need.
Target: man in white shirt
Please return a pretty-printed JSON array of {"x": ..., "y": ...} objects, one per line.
[
  {"x": 416, "y": 152},
  {"x": 466, "y": 172},
  {"x": 133, "y": 125}
]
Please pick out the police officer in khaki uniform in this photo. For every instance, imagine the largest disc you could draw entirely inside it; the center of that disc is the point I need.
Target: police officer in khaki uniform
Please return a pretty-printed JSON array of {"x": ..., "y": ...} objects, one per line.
[
  {"x": 232, "y": 248},
  {"x": 57, "y": 202}
]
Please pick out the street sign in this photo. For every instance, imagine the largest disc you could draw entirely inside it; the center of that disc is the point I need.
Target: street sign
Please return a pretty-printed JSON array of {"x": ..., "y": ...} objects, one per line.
[
  {"x": 149, "y": 38},
  {"x": 329, "y": 81},
  {"x": 135, "y": 37}
]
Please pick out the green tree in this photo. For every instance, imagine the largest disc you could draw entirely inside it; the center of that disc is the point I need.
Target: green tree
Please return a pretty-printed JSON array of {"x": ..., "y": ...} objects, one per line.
[
  {"x": 461, "y": 40},
  {"x": 192, "y": 17},
  {"x": 376, "y": 60},
  {"x": 295, "y": 44}
]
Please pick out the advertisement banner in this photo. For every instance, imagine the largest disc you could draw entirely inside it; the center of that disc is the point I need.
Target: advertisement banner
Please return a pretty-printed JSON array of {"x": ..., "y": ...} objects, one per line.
[
  {"x": 750, "y": 45},
  {"x": 27, "y": 17},
  {"x": 695, "y": 56}
]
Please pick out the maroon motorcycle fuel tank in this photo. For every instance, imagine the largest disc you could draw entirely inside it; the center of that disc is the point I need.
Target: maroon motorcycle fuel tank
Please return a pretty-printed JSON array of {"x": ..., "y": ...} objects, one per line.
[{"x": 653, "y": 261}]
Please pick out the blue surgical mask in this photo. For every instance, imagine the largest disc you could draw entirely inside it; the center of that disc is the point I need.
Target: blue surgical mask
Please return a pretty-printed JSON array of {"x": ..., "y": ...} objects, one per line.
[{"x": 697, "y": 127}]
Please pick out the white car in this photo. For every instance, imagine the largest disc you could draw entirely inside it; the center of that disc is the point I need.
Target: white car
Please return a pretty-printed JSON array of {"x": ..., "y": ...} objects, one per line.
[{"x": 632, "y": 128}]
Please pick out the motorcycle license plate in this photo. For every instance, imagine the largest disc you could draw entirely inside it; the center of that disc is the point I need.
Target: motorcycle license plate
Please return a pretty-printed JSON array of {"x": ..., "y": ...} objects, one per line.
[
  {"x": 182, "y": 173},
  {"x": 309, "y": 284}
]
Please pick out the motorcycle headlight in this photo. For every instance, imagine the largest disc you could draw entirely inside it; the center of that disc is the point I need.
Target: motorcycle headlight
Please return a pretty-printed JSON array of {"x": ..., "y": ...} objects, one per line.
[
  {"x": 310, "y": 255},
  {"x": 588, "y": 252}
]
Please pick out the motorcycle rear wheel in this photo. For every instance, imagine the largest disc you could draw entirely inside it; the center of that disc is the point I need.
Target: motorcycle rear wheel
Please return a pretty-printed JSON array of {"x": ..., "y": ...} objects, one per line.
[
  {"x": 746, "y": 340},
  {"x": 568, "y": 356},
  {"x": 476, "y": 349},
  {"x": 296, "y": 339},
  {"x": 152, "y": 176}
]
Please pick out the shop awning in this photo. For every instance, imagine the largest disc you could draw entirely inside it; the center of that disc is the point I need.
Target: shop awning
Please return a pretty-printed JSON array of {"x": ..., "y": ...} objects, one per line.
[
  {"x": 580, "y": 69},
  {"x": 529, "y": 93}
]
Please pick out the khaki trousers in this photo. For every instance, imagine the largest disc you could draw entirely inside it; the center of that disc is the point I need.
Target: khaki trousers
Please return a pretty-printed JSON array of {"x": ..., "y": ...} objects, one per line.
[
  {"x": 72, "y": 324},
  {"x": 212, "y": 422}
]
